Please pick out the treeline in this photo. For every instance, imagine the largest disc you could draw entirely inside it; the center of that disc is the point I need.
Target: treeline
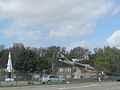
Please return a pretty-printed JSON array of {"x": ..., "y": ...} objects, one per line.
[
  {"x": 29, "y": 59},
  {"x": 45, "y": 59},
  {"x": 106, "y": 60}
]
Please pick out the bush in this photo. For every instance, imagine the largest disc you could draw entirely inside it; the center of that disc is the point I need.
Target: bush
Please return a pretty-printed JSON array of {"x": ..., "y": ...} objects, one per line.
[
  {"x": 30, "y": 82},
  {"x": 118, "y": 79}
]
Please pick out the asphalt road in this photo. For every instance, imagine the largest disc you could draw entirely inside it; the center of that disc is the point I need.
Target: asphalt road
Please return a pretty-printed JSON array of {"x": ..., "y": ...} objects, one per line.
[{"x": 87, "y": 86}]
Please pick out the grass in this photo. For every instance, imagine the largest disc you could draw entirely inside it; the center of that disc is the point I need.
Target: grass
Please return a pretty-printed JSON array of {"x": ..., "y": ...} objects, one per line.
[{"x": 21, "y": 85}]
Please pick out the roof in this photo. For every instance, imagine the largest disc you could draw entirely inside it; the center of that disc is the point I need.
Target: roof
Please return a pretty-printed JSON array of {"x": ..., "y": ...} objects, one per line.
[
  {"x": 3, "y": 64},
  {"x": 61, "y": 64}
]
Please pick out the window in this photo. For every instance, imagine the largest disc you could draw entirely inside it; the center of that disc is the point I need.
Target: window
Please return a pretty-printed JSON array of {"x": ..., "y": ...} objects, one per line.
[
  {"x": 61, "y": 76},
  {"x": 60, "y": 69},
  {"x": 68, "y": 76},
  {"x": 56, "y": 77},
  {"x": 68, "y": 69},
  {"x": 51, "y": 76}
]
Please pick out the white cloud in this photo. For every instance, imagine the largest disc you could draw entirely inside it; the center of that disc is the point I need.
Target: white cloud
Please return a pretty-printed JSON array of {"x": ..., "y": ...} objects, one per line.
[
  {"x": 60, "y": 18},
  {"x": 85, "y": 44},
  {"x": 114, "y": 39},
  {"x": 24, "y": 36}
]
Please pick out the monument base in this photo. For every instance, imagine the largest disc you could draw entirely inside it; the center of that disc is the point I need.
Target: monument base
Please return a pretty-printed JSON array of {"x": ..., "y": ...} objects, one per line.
[{"x": 9, "y": 79}]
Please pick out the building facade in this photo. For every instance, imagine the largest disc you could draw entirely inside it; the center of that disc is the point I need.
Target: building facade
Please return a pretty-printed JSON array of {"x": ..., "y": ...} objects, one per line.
[{"x": 64, "y": 70}]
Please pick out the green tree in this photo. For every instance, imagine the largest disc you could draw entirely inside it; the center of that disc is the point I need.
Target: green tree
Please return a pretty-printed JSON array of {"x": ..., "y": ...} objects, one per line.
[
  {"x": 106, "y": 60},
  {"x": 92, "y": 59},
  {"x": 43, "y": 64},
  {"x": 77, "y": 52},
  {"x": 15, "y": 50},
  {"x": 27, "y": 61}
]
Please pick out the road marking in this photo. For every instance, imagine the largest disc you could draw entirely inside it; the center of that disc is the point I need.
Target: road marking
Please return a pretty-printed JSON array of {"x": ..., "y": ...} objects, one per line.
[
  {"x": 93, "y": 85},
  {"x": 113, "y": 88}
]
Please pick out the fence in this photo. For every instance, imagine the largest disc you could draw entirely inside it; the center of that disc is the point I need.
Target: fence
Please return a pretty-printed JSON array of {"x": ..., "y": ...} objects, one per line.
[
  {"x": 19, "y": 79},
  {"x": 29, "y": 78}
]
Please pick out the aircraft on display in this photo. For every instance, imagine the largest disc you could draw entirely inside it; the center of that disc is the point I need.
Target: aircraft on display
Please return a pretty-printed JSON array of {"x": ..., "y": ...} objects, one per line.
[{"x": 76, "y": 64}]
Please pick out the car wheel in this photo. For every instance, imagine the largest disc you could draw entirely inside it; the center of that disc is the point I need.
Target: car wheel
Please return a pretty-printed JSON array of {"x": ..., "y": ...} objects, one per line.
[
  {"x": 43, "y": 83},
  {"x": 49, "y": 82},
  {"x": 63, "y": 81}
]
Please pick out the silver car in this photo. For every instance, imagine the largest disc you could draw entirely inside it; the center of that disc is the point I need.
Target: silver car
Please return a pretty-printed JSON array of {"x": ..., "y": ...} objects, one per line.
[{"x": 52, "y": 79}]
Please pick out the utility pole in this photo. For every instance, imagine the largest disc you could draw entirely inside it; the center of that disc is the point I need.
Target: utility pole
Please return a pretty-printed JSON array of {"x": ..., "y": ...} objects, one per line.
[
  {"x": 53, "y": 64},
  {"x": 117, "y": 64}
]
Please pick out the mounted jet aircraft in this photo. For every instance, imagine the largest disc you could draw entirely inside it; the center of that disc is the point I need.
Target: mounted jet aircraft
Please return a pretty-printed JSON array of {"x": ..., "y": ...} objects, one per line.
[{"x": 76, "y": 64}]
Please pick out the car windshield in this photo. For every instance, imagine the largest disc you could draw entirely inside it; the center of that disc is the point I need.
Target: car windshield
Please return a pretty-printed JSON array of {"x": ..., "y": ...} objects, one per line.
[{"x": 51, "y": 76}]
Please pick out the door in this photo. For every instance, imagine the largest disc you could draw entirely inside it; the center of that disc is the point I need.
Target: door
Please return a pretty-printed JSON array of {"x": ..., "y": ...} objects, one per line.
[
  {"x": 52, "y": 79},
  {"x": 57, "y": 79}
]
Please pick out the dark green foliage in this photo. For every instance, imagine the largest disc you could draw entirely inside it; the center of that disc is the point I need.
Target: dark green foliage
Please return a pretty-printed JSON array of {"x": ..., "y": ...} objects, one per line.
[
  {"x": 92, "y": 59},
  {"x": 106, "y": 60},
  {"x": 44, "y": 64},
  {"x": 27, "y": 61},
  {"x": 118, "y": 79},
  {"x": 15, "y": 50},
  {"x": 77, "y": 53}
]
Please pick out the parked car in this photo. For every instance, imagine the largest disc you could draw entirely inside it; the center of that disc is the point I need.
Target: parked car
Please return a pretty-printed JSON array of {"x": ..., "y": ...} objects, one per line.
[{"x": 52, "y": 79}]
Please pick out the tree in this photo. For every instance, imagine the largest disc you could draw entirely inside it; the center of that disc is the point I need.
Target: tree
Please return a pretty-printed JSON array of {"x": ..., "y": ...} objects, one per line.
[
  {"x": 52, "y": 53},
  {"x": 3, "y": 53},
  {"x": 2, "y": 47},
  {"x": 42, "y": 51},
  {"x": 27, "y": 62},
  {"x": 106, "y": 60},
  {"x": 92, "y": 59},
  {"x": 15, "y": 50},
  {"x": 43, "y": 64},
  {"x": 77, "y": 52}
]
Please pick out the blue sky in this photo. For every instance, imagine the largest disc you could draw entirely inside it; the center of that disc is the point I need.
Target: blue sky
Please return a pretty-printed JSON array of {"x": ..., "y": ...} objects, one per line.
[{"x": 68, "y": 23}]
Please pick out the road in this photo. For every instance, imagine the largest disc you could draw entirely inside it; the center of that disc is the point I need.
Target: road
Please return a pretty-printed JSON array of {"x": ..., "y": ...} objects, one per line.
[{"x": 85, "y": 86}]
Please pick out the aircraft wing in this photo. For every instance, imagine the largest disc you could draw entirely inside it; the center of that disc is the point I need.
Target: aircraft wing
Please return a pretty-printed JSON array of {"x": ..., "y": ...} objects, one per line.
[
  {"x": 76, "y": 63},
  {"x": 84, "y": 65}
]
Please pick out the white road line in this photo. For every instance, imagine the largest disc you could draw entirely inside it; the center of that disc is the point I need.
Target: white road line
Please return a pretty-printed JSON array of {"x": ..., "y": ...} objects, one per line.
[
  {"x": 113, "y": 88},
  {"x": 107, "y": 84},
  {"x": 93, "y": 85}
]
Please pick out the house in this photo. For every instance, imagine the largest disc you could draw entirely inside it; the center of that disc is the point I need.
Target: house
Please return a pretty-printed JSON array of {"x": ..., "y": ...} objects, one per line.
[
  {"x": 64, "y": 70},
  {"x": 3, "y": 66},
  {"x": 68, "y": 71}
]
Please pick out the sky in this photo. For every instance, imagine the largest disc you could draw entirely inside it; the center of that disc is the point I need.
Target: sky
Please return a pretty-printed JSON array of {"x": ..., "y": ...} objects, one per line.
[{"x": 69, "y": 23}]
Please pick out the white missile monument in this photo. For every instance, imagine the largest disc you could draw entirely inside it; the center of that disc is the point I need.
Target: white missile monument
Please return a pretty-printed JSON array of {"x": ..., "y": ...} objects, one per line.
[{"x": 9, "y": 69}]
